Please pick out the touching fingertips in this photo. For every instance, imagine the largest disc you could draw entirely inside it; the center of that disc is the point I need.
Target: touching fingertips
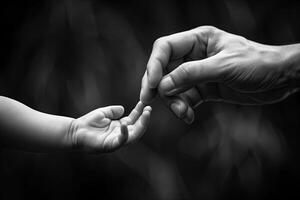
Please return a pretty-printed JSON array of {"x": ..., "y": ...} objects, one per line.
[
  {"x": 139, "y": 105},
  {"x": 147, "y": 95}
]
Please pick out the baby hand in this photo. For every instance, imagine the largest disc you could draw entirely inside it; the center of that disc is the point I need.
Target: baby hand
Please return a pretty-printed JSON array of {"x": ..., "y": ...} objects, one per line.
[{"x": 103, "y": 129}]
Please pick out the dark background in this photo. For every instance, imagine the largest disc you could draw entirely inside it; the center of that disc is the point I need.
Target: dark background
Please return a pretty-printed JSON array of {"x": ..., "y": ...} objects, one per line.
[{"x": 69, "y": 57}]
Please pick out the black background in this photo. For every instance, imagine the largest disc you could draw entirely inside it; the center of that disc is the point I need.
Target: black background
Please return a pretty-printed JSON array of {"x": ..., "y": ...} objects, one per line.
[{"x": 69, "y": 57}]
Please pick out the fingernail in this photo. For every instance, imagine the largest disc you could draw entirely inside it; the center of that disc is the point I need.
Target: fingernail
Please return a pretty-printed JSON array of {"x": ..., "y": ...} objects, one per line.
[
  {"x": 188, "y": 120},
  {"x": 175, "y": 107},
  {"x": 148, "y": 108},
  {"x": 167, "y": 84}
]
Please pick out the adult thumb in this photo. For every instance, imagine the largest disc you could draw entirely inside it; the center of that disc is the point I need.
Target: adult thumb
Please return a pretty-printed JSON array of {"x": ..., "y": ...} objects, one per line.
[{"x": 191, "y": 73}]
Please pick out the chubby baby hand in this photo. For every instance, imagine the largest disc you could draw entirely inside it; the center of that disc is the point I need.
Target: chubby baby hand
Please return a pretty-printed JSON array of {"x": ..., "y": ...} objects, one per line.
[{"x": 103, "y": 129}]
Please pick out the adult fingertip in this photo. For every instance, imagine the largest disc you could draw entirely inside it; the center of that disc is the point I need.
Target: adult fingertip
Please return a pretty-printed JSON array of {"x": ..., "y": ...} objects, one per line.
[
  {"x": 144, "y": 99},
  {"x": 140, "y": 103},
  {"x": 139, "y": 106},
  {"x": 179, "y": 108},
  {"x": 189, "y": 118},
  {"x": 174, "y": 107},
  {"x": 147, "y": 96}
]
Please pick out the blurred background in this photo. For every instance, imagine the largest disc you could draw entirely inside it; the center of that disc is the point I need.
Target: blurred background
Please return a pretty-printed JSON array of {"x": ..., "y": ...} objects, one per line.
[{"x": 68, "y": 57}]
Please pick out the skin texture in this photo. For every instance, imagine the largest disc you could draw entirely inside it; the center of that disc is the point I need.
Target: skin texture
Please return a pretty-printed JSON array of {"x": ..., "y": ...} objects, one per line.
[
  {"x": 208, "y": 64},
  {"x": 102, "y": 130}
]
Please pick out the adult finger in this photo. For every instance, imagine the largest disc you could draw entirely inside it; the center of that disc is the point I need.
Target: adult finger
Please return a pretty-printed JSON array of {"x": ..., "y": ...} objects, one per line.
[
  {"x": 147, "y": 94},
  {"x": 191, "y": 73},
  {"x": 217, "y": 92},
  {"x": 173, "y": 47},
  {"x": 179, "y": 107}
]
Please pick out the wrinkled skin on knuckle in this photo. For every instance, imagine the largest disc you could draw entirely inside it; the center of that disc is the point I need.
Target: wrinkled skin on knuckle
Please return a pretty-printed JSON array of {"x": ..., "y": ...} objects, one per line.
[
  {"x": 241, "y": 71},
  {"x": 158, "y": 42},
  {"x": 215, "y": 38},
  {"x": 207, "y": 29},
  {"x": 225, "y": 64},
  {"x": 230, "y": 42}
]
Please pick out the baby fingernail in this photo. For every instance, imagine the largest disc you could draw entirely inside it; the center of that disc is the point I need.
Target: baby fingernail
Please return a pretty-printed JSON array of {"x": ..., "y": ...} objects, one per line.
[{"x": 148, "y": 108}]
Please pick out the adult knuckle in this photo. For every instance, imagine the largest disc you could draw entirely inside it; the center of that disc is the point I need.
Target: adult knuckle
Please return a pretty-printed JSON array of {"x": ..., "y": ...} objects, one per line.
[
  {"x": 207, "y": 29},
  {"x": 158, "y": 42}
]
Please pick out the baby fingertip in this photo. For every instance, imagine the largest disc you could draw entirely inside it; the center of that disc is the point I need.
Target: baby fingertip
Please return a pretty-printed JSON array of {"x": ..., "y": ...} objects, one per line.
[{"x": 148, "y": 108}]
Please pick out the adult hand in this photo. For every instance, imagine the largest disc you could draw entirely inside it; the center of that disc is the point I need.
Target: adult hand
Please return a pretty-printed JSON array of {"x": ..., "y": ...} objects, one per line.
[{"x": 213, "y": 65}]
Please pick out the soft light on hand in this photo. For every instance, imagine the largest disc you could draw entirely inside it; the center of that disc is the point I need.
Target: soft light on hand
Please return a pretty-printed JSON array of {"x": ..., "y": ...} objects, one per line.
[{"x": 103, "y": 130}]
